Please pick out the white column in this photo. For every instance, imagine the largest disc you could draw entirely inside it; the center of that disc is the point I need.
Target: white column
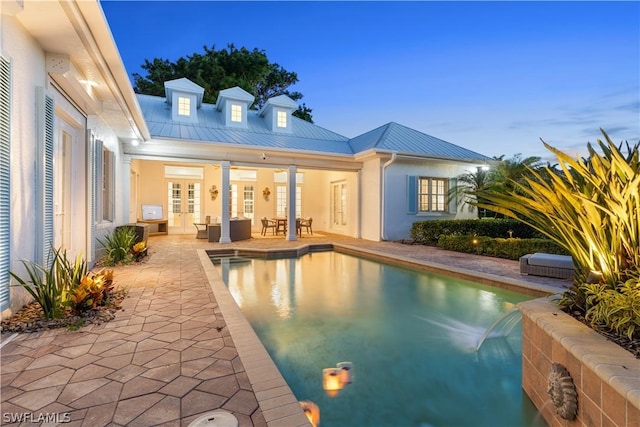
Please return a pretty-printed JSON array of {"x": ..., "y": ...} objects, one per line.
[
  {"x": 125, "y": 190},
  {"x": 291, "y": 203},
  {"x": 224, "y": 217}
]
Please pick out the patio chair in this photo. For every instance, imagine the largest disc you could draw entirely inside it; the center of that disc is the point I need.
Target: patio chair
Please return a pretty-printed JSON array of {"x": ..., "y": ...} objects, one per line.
[
  {"x": 306, "y": 223},
  {"x": 266, "y": 224},
  {"x": 202, "y": 230}
]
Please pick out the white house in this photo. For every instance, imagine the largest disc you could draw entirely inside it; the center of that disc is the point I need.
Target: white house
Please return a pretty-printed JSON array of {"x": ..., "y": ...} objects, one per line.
[{"x": 80, "y": 153}]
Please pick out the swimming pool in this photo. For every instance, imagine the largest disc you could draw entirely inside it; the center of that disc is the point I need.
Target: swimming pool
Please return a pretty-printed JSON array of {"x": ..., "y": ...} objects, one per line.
[{"x": 410, "y": 335}]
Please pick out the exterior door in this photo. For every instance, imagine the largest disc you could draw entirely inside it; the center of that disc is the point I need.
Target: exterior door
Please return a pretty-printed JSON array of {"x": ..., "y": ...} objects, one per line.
[
  {"x": 62, "y": 186},
  {"x": 184, "y": 205}
]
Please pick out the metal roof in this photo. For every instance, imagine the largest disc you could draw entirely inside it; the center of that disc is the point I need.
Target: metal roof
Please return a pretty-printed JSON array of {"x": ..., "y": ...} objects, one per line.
[
  {"x": 405, "y": 140},
  {"x": 305, "y": 136},
  {"x": 211, "y": 128}
]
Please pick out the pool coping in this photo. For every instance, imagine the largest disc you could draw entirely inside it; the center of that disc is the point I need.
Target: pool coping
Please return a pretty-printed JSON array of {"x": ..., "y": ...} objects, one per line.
[{"x": 279, "y": 405}]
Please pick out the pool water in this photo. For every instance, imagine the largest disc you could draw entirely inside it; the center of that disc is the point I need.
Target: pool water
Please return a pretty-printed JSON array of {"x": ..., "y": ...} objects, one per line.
[{"x": 411, "y": 336}]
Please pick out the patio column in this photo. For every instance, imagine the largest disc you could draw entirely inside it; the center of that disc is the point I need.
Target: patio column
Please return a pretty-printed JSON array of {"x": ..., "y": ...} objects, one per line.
[
  {"x": 224, "y": 218},
  {"x": 291, "y": 203},
  {"x": 125, "y": 191}
]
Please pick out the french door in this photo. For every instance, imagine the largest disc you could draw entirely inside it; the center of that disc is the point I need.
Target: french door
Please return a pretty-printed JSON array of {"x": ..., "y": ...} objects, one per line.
[
  {"x": 184, "y": 205},
  {"x": 62, "y": 186}
]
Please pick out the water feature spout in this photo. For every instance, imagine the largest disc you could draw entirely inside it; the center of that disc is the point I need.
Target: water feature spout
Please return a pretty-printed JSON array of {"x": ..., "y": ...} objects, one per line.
[{"x": 501, "y": 327}]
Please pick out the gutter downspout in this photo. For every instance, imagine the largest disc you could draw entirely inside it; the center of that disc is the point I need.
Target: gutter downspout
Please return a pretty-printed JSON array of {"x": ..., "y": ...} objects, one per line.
[{"x": 383, "y": 194}]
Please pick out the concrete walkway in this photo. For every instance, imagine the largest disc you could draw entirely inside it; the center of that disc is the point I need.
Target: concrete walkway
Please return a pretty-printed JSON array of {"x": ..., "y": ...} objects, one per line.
[{"x": 180, "y": 348}]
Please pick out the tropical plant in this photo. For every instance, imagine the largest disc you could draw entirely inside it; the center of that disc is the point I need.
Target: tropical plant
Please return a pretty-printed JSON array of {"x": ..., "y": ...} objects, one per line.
[
  {"x": 118, "y": 244},
  {"x": 92, "y": 291},
  {"x": 469, "y": 183},
  {"x": 591, "y": 208},
  {"x": 44, "y": 284},
  {"x": 139, "y": 250}
]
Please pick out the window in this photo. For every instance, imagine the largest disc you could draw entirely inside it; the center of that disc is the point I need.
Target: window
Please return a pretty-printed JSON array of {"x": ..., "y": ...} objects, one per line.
[
  {"x": 281, "y": 201},
  {"x": 107, "y": 185},
  {"x": 339, "y": 204},
  {"x": 184, "y": 106},
  {"x": 282, "y": 119},
  {"x": 233, "y": 200},
  {"x": 236, "y": 112},
  {"x": 432, "y": 194}
]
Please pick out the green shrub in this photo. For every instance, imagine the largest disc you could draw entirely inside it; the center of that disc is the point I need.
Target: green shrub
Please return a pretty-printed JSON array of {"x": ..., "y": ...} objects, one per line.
[
  {"x": 618, "y": 309},
  {"x": 498, "y": 247},
  {"x": 428, "y": 232},
  {"x": 118, "y": 245}
]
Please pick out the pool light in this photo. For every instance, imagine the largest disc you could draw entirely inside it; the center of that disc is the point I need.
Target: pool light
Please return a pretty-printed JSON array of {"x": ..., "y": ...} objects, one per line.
[{"x": 331, "y": 380}]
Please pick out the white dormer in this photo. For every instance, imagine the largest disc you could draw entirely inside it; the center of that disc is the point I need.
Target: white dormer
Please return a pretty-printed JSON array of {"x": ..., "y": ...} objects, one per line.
[
  {"x": 235, "y": 103},
  {"x": 185, "y": 97},
  {"x": 277, "y": 112}
]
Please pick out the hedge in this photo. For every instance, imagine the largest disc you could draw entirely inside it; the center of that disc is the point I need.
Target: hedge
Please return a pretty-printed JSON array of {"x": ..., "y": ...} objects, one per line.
[
  {"x": 428, "y": 232},
  {"x": 498, "y": 247}
]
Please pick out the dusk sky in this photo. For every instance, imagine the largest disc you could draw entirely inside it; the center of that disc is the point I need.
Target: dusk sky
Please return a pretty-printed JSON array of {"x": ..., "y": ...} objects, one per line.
[{"x": 493, "y": 77}]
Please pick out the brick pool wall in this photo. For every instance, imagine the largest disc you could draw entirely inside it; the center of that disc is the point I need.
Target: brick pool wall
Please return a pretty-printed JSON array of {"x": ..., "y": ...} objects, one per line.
[{"x": 606, "y": 377}]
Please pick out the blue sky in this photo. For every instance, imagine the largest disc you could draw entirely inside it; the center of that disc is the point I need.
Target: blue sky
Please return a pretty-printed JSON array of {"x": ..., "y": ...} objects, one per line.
[{"x": 493, "y": 77}]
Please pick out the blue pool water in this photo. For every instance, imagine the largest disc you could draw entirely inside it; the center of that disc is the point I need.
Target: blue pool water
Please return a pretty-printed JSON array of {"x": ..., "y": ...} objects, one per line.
[{"x": 410, "y": 335}]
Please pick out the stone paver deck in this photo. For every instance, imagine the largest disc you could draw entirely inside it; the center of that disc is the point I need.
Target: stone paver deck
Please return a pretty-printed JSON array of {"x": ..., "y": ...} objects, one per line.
[{"x": 181, "y": 347}]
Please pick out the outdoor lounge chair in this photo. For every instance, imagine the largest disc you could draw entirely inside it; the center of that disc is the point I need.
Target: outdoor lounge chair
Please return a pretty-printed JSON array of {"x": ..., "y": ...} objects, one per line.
[{"x": 266, "y": 224}]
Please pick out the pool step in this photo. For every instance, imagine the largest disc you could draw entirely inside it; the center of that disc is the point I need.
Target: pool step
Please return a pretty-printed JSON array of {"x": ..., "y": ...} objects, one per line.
[{"x": 231, "y": 259}]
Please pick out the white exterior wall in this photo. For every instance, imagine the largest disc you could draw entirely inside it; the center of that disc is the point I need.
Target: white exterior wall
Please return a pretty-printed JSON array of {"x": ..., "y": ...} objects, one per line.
[
  {"x": 371, "y": 190},
  {"x": 397, "y": 220},
  {"x": 28, "y": 65},
  {"x": 28, "y": 73}
]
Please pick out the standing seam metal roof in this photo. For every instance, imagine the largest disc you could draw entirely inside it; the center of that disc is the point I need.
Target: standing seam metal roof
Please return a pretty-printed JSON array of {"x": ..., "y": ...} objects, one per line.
[{"x": 305, "y": 136}]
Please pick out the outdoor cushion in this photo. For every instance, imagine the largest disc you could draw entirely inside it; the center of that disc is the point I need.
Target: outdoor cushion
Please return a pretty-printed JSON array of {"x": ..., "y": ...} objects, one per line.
[{"x": 551, "y": 260}]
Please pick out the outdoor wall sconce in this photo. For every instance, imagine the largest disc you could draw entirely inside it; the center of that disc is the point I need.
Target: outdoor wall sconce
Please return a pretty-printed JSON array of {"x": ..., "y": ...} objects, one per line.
[
  {"x": 214, "y": 192},
  {"x": 266, "y": 193}
]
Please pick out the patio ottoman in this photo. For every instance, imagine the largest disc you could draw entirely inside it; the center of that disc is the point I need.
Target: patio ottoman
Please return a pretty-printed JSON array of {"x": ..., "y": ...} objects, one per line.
[{"x": 547, "y": 265}]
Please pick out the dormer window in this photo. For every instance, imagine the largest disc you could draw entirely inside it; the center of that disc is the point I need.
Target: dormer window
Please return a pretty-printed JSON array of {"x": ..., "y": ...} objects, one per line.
[
  {"x": 184, "y": 97},
  {"x": 236, "y": 113},
  {"x": 282, "y": 119},
  {"x": 234, "y": 103},
  {"x": 184, "y": 106},
  {"x": 277, "y": 112}
]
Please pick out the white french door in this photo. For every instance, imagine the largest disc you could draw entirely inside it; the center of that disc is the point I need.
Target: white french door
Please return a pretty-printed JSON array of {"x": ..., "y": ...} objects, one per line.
[{"x": 184, "y": 205}]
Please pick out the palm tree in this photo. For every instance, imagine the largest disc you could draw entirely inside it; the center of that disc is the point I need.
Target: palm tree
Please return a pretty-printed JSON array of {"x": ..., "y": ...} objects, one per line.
[{"x": 469, "y": 184}]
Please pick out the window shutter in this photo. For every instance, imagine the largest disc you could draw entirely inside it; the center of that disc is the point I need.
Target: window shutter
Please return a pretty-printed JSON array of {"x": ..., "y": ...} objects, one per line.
[
  {"x": 44, "y": 174},
  {"x": 453, "y": 201},
  {"x": 412, "y": 194},
  {"x": 98, "y": 166},
  {"x": 5, "y": 181}
]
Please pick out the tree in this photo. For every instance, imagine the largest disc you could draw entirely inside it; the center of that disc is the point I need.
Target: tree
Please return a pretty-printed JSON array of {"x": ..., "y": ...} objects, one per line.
[
  {"x": 469, "y": 184},
  {"x": 216, "y": 70}
]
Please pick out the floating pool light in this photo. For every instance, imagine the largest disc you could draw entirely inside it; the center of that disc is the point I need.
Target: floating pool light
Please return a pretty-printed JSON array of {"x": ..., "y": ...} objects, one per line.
[
  {"x": 346, "y": 372},
  {"x": 312, "y": 412},
  {"x": 331, "y": 380}
]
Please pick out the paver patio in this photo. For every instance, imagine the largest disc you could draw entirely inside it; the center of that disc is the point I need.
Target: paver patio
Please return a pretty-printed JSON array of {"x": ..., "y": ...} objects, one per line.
[{"x": 168, "y": 357}]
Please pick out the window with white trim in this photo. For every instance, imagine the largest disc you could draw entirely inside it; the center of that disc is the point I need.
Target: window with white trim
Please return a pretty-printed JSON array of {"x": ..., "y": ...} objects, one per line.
[
  {"x": 282, "y": 119},
  {"x": 281, "y": 201},
  {"x": 432, "y": 194},
  {"x": 236, "y": 112},
  {"x": 184, "y": 106}
]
